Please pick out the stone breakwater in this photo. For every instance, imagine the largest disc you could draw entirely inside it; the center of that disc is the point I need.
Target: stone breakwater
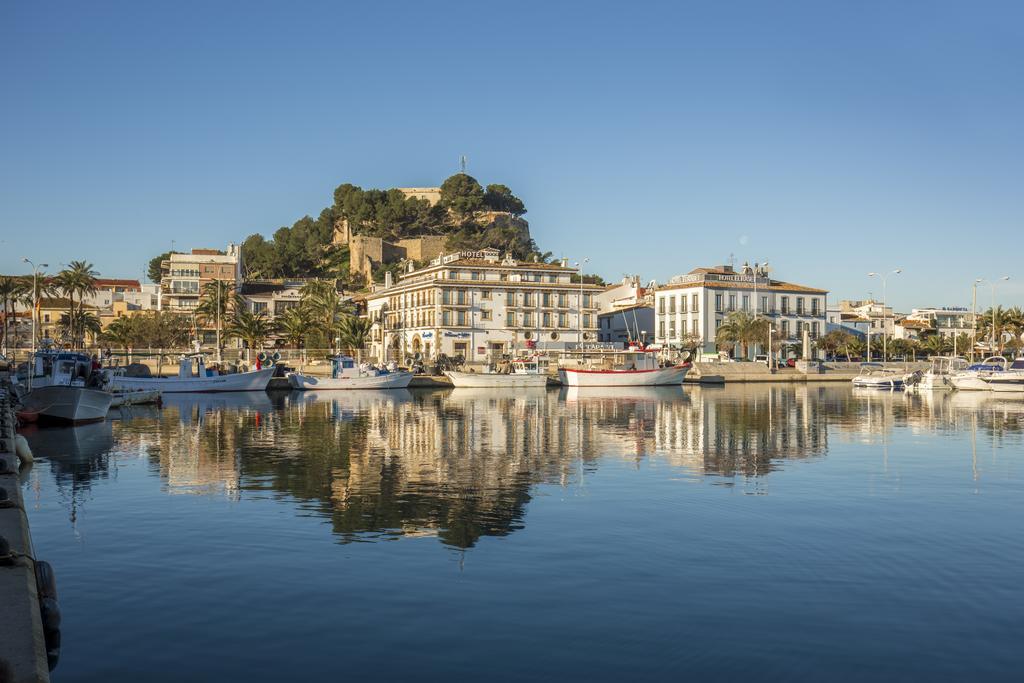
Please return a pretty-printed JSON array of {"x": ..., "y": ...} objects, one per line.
[{"x": 23, "y": 647}]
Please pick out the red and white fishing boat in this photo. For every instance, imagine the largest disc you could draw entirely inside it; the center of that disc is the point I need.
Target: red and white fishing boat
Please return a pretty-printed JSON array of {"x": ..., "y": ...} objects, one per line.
[{"x": 636, "y": 366}]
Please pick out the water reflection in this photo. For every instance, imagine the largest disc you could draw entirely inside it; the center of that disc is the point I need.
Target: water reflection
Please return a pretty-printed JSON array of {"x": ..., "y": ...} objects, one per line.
[{"x": 463, "y": 464}]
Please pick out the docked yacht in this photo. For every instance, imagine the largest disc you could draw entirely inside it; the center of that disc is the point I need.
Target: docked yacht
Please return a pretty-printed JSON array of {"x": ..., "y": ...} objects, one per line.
[
  {"x": 347, "y": 373},
  {"x": 517, "y": 373},
  {"x": 1007, "y": 382},
  {"x": 636, "y": 366},
  {"x": 62, "y": 387},
  {"x": 877, "y": 376},
  {"x": 204, "y": 380},
  {"x": 973, "y": 378},
  {"x": 939, "y": 376}
]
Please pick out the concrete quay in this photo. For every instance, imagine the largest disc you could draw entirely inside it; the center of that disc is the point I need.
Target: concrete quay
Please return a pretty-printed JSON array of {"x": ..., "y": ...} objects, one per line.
[
  {"x": 23, "y": 656},
  {"x": 723, "y": 373}
]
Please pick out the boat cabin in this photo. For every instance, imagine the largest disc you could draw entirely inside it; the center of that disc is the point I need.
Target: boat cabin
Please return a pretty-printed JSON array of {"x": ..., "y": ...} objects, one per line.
[
  {"x": 195, "y": 362},
  {"x": 61, "y": 367}
]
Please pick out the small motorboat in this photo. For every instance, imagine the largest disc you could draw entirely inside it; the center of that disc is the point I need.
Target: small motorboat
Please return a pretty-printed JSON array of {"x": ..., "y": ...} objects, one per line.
[
  {"x": 636, "y": 366},
  {"x": 938, "y": 377},
  {"x": 135, "y": 397},
  {"x": 513, "y": 374},
  {"x": 204, "y": 380},
  {"x": 1010, "y": 381},
  {"x": 63, "y": 387},
  {"x": 877, "y": 376},
  {"x": 347, "y": 373},
  {"x": 973, "y": 378}
]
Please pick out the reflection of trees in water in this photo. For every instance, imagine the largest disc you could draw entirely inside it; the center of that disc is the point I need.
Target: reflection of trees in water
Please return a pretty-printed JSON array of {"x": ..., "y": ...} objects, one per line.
[{"x": 462, "y": 464}]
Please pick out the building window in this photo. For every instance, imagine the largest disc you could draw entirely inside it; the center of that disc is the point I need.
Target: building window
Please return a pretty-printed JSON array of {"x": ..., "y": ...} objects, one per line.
[
  {"x": 259, "y": 306},
  {"x": 661, "y": 306},
  {"x": 446, "y": 318},
  {"x": 563, "y": 320},
  {"x": 460, "y": 318},
  {"x": 485, "y": 314},
  {"x": 461, "y": 297},
  {"x": 672, "y": 328},
  {"x": 528, "y": 298},
  {"x": 718, "y": 303},
  {"x": 799, "y": 329},
  {"x": 474, "y": 275},
  {"x": 545, "y": 319},
  {"x": 545, "y": 300},
  {"x": 586, "y": 320},
  {"x": 446, "y": 296},
  {"x": 799, "y": 305},
  {"x": 732, "y": 302},
  {"x": 563, "y": 300},
  {"x": 682, "y": 303},
  {"x": 695, "y": 305},
  {"x": 671, "y": 304},
  {"x": 510, "y": 319},
  {"x": 587, "y": 301},
  {"x": 814, "y": 330},
  {"x": 485, "y": 294},
  {"x": 815, "y": 308},
  {"x": 661, "y": 328},
  {"x": 785, "y": 329},
  {"x": 764, "y": 304},
  {"x": 746, "y": 302},
  {"x": 785, "y": 305},
  {"x": 528, "y": 319},
  {"x": 510, "y": 298},
  {"x": 683, "y": 325}
]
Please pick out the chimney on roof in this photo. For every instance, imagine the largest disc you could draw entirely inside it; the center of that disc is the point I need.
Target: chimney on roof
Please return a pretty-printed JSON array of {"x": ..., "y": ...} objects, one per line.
[
  {"x": 565, "y": 262},
  {"x": 388, "y": 281}
]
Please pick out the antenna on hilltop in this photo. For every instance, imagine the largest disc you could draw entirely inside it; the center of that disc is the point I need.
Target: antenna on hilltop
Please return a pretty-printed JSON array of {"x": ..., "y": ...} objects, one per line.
[
  {"x": 732, "y": 260},
  {"x": 462, "y": 162}
]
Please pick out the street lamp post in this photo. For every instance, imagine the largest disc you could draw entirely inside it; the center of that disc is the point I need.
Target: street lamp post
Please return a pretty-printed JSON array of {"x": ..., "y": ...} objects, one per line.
[
  {"x": 35, "y": 307},
  {"x": 885, "y": 315},
  {"x": 756, "y": 308},
  {"x": 992, "y": 332},
  {"x": 579, "y": 318}
]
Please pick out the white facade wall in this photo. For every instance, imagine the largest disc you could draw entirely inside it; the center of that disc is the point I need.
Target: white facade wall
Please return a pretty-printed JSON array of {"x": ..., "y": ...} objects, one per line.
[
  {"x": 683, "y": 311},
  {"x": 477, "y": 308}
]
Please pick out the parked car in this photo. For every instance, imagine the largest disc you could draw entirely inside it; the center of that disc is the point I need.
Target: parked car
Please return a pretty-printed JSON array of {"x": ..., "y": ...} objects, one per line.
[
  {"x": 761, "y": 358},
  {"x": 791, "y": 362}
]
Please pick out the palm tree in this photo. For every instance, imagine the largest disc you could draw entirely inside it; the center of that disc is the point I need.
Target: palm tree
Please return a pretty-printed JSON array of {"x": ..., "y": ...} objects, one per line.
[
  {"x": 162, "y": 330},
  {"x": 1000, "y": 324},
  {"x": 352, "y": 333},
  {"x": 12, "y": 289},
  {"x": 124, "y": 333},
  {"x": 900, "y": 347},
  {"x": 740, "y": 327},
  {"x": 251, "y": 328},
  {"x": 77, "y": 279},
  {"x": 321, "y": 300},
  {"x": 294, "y": 324},
  {"x": 935, "y": 345},
  {"x": 82, "y": 322},
  {"x": 216, "y": 300}
]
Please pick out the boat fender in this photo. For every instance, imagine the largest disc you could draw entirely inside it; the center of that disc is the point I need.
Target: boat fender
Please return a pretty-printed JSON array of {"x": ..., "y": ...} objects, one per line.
[
  {"x": 49, "y": 611},
  {"x": 276, "y": 357},
  {"x": 261, "y": 357},
  {"x": 22, "y": 450}
]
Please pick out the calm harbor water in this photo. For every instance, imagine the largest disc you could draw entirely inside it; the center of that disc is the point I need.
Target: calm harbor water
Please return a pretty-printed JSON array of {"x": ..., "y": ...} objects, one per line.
[{"x": 765, "y": 532}]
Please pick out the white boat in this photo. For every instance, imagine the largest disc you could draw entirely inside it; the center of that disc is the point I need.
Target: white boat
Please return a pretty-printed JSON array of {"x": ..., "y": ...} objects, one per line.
[
  {"x": 135, "y": 397},
  {"x": 515, "y": 374},
  {"x": 64, "y": 388},
  {"x": 346, "y": 373},
  {"x": 972, "y": 379},
  {"x": 203, "y": 381},
  {"x": 939, "y": 376},
  {"x": 1011, "y": 381},
  {"x": 877, "y": 376},
  {"x": 634, "y": 367}
]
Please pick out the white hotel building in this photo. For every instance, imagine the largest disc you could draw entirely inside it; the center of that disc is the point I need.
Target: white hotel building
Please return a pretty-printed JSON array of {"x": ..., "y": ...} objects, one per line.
[
  {"x": 478, "y": 305},
  {"x": 693, "y": 306}
]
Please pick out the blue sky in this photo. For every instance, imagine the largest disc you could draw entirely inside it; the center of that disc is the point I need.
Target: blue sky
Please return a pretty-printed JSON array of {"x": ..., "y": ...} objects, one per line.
[{"x": 831, "y": 138}]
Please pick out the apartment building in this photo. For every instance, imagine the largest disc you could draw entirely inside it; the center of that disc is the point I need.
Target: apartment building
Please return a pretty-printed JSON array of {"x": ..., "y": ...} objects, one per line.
[
  {"x": 183, "y": 275},
  {"x": 690, "y": 308},
  {"x": 478, "y": 304}
]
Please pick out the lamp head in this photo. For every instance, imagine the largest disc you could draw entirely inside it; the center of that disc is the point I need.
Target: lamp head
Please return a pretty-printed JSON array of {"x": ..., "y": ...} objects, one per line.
[
  {"x": 44, "y": 265},
  {"x": 1005, "y": 277},
  {"x": 872, "y": 274},
  {"x": 898, "y": 271}
]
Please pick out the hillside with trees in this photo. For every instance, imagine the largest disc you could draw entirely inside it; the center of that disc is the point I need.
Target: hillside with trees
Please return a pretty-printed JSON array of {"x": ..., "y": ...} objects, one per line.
[{"x": 468, "y": 214}]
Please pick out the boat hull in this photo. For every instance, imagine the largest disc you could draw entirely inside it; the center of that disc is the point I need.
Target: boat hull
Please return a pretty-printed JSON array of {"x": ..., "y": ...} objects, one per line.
[
  {"x": 476, "y": 380},
  {"x": 970, "y": 382},
  {"x": 572, "y": 377},
  {"x": 1007, "y": 383},
  {"x": 391, "y": 380},
  {"x": 135, "y": 398},
  {"x": 878, "y": 383},
  {"x": 69, "y": 405},
  {"x": 242, "y": 381}
]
